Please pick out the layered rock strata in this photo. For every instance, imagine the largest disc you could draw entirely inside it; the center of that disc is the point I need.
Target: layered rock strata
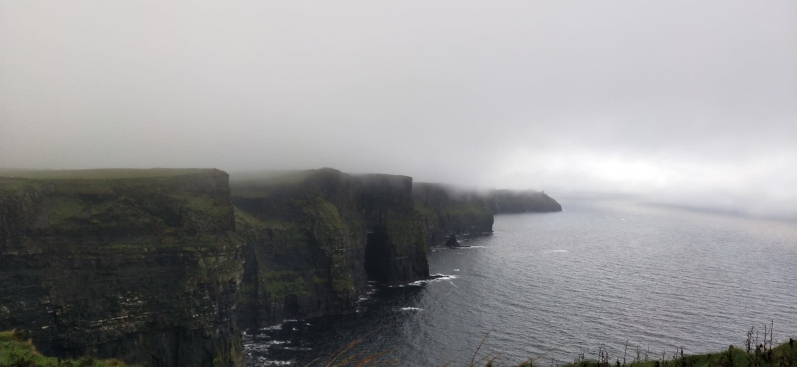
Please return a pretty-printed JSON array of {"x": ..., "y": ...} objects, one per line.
[
  {"x": 314, "y": 239},
  {"x": 446, "y": 211},
  {"x": 138, "y": 265}
]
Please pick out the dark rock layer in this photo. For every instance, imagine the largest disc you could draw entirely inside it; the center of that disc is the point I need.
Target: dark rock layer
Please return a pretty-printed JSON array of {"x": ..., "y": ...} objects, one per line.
[
  {"x": 314, "y": 239},
  {"x": 144, "y": 270},
  {"x": 159, "y": 268},
  {"x": 445, "y": 211}
]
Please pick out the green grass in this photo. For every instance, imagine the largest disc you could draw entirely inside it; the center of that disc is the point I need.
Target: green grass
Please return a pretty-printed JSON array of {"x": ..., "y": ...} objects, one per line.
[
  {"x": 326, "y": 213},
  {"x": 453, "y": 210},
  {"x": 204, "y": 205},
  {"x": 15, "y": 351},
  {"x": 64, "y": 208},
  {"x": 784, "y": 355},
  {"x": 246, "y": 221},
  {"x": 282, "y": 283}
]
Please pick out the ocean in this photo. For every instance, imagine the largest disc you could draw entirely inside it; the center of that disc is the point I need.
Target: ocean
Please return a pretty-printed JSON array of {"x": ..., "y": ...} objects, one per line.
[{"x": 550, "y": 286}]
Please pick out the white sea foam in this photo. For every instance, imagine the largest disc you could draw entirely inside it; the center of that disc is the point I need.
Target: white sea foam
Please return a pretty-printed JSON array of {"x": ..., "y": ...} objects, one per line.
[
  {"x": 555, "y": 251},
  {"x": 267, "y": 362},
  {"x": 438, "y": 277},
  {"x": 411, "y": 309}
]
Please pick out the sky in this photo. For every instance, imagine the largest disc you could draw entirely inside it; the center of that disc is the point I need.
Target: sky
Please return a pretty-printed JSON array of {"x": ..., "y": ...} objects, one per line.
[{"x": 681, "y": 102}]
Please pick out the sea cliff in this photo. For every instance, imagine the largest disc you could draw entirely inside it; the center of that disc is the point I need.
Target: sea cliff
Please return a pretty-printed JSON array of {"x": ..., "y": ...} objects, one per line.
[
  {"x": 446, "y": 211},
  {"x": 314, "y": 239},
  {"x": 141, "y": 269},
  {"x": 511, "y": 201},
  {"x": 163, "y": 267}
]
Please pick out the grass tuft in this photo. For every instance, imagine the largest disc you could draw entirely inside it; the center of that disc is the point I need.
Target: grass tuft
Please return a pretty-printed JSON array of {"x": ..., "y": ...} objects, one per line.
[{"x": 16, "y": 351}]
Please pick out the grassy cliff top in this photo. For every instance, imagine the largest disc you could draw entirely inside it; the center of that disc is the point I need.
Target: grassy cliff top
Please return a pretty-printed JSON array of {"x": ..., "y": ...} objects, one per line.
[
  {"x": 99, "y": 174},
  {"x": 16, "y": 351}
]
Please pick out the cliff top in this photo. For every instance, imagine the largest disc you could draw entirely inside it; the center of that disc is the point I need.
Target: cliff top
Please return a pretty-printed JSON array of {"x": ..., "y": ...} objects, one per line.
[
  {"x": 114, "y": 203},
  {"x": 99, "y": 174},
  {"x": 263, "y": 183},
  {"x": 276, "y": 177}
]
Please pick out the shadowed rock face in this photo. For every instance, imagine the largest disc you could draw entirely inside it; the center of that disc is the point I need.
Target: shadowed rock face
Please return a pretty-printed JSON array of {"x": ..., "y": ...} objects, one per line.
[
  {"x": 395, "y": 228},
  {"x": 140, "y": 269},
  {"x": 447, "y": 211},
  {"x": 153, "y": 266},
  {"x": 314, "y": 238},
  {"x": 452, "y": 241}
]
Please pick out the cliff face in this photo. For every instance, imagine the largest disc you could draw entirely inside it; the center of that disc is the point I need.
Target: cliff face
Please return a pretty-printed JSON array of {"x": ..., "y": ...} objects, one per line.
[
  {"x": 447, "y": 211},
  {"x": 140, "y": 269},
  {"x": 508, "y": 201},
  {"x": 153, "y": 267},
  {"x": 315, "y": 238}
]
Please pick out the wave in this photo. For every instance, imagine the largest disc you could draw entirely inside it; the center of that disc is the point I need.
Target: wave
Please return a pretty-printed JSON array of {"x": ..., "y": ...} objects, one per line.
[
  {"x": 436, "y": 278},
  {"x": 267, "y": 362},
  {"x": 411, "y": 309}
]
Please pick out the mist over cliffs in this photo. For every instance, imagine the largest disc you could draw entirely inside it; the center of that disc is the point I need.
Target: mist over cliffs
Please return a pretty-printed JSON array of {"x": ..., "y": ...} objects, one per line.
[{"x": 164, "y": 267}]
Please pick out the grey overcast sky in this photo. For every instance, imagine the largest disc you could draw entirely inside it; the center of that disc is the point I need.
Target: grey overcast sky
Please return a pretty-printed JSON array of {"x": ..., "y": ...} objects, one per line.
[{"x": 689, "y": 102}]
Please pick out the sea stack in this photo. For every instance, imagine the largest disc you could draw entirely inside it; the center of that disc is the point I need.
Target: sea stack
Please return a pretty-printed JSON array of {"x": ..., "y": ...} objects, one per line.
[{"x": 452, "y": 241}]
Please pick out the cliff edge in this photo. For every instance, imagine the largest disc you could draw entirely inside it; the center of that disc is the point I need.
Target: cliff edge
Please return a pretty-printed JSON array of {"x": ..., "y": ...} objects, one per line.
[
  {"x": 315, "y": 238},
  {"x": 139, "y": 265}
]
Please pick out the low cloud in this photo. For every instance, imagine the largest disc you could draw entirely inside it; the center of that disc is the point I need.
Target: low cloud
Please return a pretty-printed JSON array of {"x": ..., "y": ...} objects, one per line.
[{"x": 679, "y": 102}]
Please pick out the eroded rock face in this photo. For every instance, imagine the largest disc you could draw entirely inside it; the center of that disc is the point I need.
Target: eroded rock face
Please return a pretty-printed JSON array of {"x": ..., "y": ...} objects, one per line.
[
  {"x": 144, "y": 270},
  {"x": 395, "y": 230},
  {"x": 445, "y": 211},
  {"x": 315, "y": 238},
  {"x": 153, "y": 267},
  {"x": 452, "y": 241}
]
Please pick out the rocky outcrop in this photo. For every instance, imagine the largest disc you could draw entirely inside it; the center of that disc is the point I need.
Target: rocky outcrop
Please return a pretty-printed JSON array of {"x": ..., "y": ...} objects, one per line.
[
  {"x": 510, "y": 201},
  {"x": 314, "y": 239},
  {"x": 452, "y": 241},
  {"x": 445, "y": 210},
  {"x": 141, "y": 269}
]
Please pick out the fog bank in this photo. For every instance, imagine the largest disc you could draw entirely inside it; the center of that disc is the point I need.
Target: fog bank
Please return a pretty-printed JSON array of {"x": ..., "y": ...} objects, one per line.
[{"x": 680, "y": 102}]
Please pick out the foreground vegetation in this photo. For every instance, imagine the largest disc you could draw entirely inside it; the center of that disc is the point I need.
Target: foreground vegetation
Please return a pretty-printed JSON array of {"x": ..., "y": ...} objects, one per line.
[
  {"x": 752, "y": 354},
  {"x": 783, "y": 355},
  {"x": 15, "y": 351}
]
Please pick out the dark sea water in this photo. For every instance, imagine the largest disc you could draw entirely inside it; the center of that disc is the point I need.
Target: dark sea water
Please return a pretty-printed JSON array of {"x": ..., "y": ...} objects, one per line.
[{"x": 553, "y": 285}]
